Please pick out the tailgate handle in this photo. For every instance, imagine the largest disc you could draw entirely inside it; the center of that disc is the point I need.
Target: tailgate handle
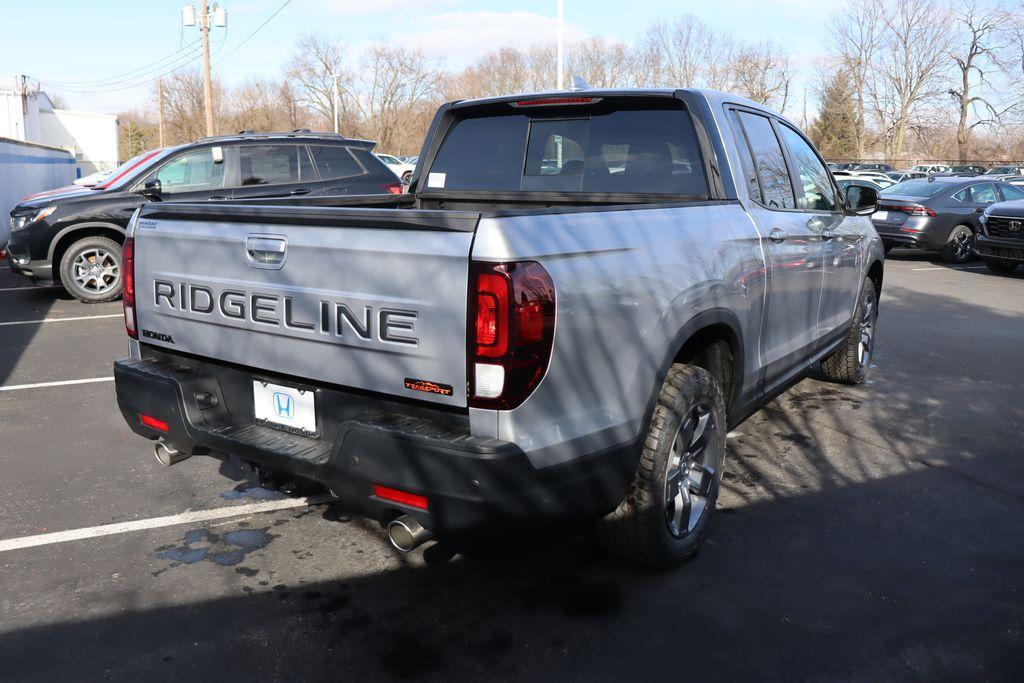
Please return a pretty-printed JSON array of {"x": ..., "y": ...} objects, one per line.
[{"x": 266, "y": 251}]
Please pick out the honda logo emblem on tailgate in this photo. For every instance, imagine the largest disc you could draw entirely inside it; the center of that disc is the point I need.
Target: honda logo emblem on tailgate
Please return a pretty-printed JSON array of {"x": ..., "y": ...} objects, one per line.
[
  {"x": 284, "y": 405},
  {"x": 266, "y": 251}
]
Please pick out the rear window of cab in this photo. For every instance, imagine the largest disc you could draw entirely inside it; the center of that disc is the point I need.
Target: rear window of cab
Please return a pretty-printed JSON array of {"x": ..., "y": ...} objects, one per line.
[{"x": 648, "y": 148}]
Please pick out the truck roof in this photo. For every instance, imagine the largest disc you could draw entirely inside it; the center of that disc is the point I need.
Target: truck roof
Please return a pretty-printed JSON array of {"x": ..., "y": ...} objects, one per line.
[{"x": 713, "y": 97}]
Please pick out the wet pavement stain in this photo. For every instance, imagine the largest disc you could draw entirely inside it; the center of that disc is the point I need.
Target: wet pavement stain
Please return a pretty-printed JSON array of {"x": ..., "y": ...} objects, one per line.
[
  {"x": 246, "y": 491},
  {"x": 227, "y": 550}
]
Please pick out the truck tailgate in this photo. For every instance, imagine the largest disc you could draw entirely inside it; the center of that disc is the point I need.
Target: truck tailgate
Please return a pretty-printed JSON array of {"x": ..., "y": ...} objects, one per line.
[{"x": 372, "y": 299}]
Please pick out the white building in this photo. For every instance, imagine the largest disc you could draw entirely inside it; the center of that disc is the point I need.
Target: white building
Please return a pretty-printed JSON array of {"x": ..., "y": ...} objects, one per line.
[{"x": 30, "y": 116}]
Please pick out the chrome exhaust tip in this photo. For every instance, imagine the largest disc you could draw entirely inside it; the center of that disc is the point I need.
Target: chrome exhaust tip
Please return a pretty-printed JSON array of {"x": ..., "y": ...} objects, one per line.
[
  {"x": 167, "y": 455},
  {"x": 406, "y": 534}
]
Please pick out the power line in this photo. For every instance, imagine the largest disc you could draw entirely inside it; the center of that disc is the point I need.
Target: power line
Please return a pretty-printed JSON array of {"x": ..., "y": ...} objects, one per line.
[
  {"x": 134, "y": 73},
  {"x": 258, "y": 29},
  {"x": 185, "y": 60}
]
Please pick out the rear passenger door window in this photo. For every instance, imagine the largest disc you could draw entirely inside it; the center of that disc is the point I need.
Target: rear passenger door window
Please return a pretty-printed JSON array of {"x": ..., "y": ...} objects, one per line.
[
  {"x": 984, "y": 194},
  {"x": 275, "y": 171},
  {"x": 769, "y": 162},
  {"x": 273, "y": 164},
  {"x": 335, "y": 162},
  {"x": 814, "y": 189}
]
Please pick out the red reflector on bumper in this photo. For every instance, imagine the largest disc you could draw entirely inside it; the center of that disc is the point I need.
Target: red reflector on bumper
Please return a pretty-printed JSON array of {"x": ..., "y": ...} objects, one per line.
[
  {"x": 153, "y": 423},
  {"x": 403, "y": 497}
]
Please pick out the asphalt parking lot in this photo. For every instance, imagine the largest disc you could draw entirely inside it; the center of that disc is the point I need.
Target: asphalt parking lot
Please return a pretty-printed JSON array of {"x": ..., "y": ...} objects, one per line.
[{"x": 868, "y": 533}]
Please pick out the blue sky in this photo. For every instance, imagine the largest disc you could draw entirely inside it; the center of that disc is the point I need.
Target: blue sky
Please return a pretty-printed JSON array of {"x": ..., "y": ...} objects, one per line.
[{"x": 77, "y": 42}]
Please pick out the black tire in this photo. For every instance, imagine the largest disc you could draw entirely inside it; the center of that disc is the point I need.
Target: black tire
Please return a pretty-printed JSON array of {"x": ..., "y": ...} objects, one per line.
[
  {"x": 406, "y": 177},
  {"x": 887, "y": 246},
  {"x": 640, "y": 530},
  {"x": 959, "y": 246},
  {"x": 850, "y": 363},
  {"x": 997, "y": 266},
  {"x": 92, "y": 287}
]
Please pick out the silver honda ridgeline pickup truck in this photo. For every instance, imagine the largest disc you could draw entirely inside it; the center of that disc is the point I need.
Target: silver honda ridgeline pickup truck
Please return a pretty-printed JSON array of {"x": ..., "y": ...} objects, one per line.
[{"x": 578, "y": 298}]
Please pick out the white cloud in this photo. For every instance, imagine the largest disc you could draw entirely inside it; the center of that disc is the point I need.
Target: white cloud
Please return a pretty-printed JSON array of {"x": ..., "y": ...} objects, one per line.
[
  {"x": 462, "y": 37},
  {"x": 381, "y": 7}
]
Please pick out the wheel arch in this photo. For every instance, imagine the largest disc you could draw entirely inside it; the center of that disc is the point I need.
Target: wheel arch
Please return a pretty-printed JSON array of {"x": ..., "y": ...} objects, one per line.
[
  {"x": 72, "y": 233},
  {"x": 711, "y": 340}
]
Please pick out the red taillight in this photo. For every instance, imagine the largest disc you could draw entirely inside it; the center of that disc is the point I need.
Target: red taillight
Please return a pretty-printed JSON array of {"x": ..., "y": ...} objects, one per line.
[
  {"x": 392, "y": 188},
  {"x": 492, "y": 320},
  {"x": 513, "y": 308},
  {"x": 912, "y": 209},
  {"x": 128, "y": 290},
  {"x": 153, "y": 423},
  {"x": 403, "y": 497}
]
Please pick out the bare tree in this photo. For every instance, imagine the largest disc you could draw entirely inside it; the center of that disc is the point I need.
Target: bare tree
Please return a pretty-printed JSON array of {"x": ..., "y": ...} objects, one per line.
[
  {"x": 910, "y": 65},
  {"x": 502, "y": 71},
  {"x": 602, "y": 63},
  {"x": 184, "y": 119},
  {"x": 396, "y": 85},
  {"x": 981, "y": 55},
  {"x": 684, "y": 53},
  {"x": 855, "y": 37},
  {"x": 312, "y": 68},
  {"x": 761, "y": 72}
]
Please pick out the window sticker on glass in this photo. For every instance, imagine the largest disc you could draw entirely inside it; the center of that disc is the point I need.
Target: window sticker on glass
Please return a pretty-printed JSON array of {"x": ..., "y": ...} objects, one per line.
[{"x": 436, "y": 180}]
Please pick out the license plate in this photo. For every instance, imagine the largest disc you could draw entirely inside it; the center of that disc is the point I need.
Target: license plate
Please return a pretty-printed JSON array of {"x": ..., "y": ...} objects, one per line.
[
  {"x": 880, "y": 215},
  {"x": 287, "y": 407}
]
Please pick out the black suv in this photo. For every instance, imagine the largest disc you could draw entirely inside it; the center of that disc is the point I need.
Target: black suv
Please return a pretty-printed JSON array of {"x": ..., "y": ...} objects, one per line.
[
  {"x": 1001, "y": 241},
  {"x": 73, "y": 236}
]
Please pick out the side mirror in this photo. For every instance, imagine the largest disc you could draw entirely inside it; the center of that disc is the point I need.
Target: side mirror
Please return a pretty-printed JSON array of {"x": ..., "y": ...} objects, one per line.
[
  {"x": 861, "y": 201},
  {"x": 151, "y": 189}
]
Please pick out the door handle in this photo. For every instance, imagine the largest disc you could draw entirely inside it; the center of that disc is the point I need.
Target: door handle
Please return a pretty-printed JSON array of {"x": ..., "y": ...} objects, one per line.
[
  {"x": 777, "y": 235},
  {"x": 218, "y": 197},
  {"x": 298, "y": 192},
  {"x": 266, "y": 251}
]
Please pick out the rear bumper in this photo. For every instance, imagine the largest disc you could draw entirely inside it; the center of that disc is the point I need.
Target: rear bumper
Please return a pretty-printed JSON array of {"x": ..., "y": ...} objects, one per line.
[
  {"x": 917, "y": 231},
  {"x": 469, "y": 482},
  {"x": 1007, "y": 250}
]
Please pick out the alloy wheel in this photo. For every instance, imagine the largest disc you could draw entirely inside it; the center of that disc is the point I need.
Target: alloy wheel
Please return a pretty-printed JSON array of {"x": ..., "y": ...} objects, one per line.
[
  {"x": 691, "y": 472},
  {"x": 96, "y": 270}
]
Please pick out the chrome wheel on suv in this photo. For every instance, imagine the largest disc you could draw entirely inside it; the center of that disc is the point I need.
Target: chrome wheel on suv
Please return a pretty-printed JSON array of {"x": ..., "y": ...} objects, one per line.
[
  {"x": 96, "y": 271},
  {"x": 90, "y": 269}
]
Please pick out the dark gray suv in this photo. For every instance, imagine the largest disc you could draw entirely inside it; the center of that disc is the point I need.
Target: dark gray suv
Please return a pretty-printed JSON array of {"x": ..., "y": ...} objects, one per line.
[
  {"x": 72, "y": 236},
  {"x": 940, "y": 213}
]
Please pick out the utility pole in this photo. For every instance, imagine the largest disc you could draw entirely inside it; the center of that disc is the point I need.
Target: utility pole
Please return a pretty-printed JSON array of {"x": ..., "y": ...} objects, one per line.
[
  {"x": 204, "y": 30},
  {"x": 335, "y": 107},
  {"x": 561, "y": 43},
  {"x": 160, "y": 107}
]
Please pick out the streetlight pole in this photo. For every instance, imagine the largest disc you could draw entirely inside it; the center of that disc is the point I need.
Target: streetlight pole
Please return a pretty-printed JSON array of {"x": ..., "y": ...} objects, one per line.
[
  {"x": 561, "y": 43},
  {"x": 160, "y": 107},
  {"x": 204, "y": 30},
  {"x": 335, "y": 107}
]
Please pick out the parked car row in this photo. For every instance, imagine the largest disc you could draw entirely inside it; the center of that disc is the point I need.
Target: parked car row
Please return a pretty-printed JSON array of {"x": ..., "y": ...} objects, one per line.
[
  {"x": 941, "y": 214},
  {"x": 72, "y": 236}
]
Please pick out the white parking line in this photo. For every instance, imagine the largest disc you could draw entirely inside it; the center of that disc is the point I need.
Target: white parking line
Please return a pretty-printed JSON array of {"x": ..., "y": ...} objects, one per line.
[
  {"x": 929, "y": 268},
  {"x": 22, "y": 289},
  {"x": 61, "y": 320},
  {"x": 158, "y": 522},
  {"x": 65, "y": 383}
]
